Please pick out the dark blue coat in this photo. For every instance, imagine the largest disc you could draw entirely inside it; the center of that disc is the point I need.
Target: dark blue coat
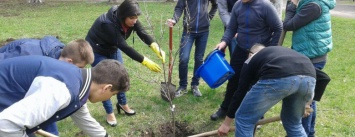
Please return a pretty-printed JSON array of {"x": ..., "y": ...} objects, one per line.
[
  {"x": 47, "y": 46},
  {"x": 255, "y": 22},
  {"x": 18, "y": 73}
]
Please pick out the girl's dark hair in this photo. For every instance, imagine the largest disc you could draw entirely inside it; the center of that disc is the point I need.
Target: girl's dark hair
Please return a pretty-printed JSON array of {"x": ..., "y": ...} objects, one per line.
[{"x": 128, "y": 8}]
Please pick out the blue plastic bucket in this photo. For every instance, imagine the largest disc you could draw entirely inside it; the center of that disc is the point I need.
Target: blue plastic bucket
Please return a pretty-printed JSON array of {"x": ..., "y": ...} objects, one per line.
[{"x": 215, "y": 70}]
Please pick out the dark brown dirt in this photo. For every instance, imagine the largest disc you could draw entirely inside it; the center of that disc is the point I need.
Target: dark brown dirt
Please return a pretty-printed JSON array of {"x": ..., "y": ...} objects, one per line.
[
  {"x": 182, "y": 129},
  {"x": 2, "y": 43}
]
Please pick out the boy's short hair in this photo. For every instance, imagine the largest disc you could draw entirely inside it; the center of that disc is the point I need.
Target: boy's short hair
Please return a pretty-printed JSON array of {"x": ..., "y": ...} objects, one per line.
[
  {"x": 79, "y": 51},
  {"x": 256, "y": 48},
  {"x": 109, "y": 71}
]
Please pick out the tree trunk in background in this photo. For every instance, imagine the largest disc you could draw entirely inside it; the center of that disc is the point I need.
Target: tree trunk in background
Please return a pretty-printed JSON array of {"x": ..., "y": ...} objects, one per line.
[
  {"x": 35, "y": 1},
  {"x": 278, "y": 5},
  {"x": 115, "y": 1}
]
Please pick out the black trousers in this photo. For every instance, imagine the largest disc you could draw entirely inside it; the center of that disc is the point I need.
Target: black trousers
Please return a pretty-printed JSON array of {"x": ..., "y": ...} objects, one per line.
[{"x": 237, "y": 60}]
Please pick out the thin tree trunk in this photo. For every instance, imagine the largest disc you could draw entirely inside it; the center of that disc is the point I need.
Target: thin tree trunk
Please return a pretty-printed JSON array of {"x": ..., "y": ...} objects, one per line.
[
  {"x": 35, "y": 1},
  {"x": 278, "y": 5}
]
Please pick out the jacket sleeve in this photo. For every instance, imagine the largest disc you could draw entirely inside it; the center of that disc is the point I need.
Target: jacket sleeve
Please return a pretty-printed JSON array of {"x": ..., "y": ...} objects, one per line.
[
  {"x": 179, "y": 8},
  {"x": 117, "y": 39},
  {"x": 213, "y": 9},
  {"x": 275, "y": 24},
  {"x": 293, "y": 21},
  {"x": 223, "y": 12},
  {"x": 87, "y": 123},
  {"x": 231, "y": 29},
  {"x": 142, "y": 34},
  {"x": 129, "y": 51}
]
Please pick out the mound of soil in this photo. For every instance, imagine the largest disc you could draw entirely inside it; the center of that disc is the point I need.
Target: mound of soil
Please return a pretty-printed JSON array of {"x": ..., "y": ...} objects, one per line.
[{"x": 182, "y": 129}]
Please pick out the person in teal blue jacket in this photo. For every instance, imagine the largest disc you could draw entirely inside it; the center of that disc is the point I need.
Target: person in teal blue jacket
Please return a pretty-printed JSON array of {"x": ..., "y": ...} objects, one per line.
[{"x": 310, "y": 22}]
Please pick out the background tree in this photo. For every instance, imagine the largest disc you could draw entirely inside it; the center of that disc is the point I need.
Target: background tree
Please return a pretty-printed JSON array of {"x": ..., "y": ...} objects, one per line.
[{"x": 35, "y": 1}]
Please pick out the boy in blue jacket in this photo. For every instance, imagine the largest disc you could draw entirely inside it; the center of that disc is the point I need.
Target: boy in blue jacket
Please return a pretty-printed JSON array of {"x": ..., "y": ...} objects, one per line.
[
  {"x": 37, "y": 91},
  {"x": 77, "y": 52}
]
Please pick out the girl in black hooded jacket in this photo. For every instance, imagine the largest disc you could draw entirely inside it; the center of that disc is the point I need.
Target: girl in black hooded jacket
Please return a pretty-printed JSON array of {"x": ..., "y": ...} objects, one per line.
[{"x": 107, "y": 37}]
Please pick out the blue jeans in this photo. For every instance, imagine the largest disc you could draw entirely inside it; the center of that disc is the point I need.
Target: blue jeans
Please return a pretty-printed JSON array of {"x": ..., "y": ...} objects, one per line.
[
  {"x": 121, "y": 97},
  {"x": 309, "y": 122},
  {"x": 186, "y": 43},
  {"x": 294, "y": 91}
]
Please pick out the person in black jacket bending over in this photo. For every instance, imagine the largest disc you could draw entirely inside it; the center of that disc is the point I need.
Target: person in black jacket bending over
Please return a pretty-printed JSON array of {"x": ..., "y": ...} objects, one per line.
[
  {"x": 274, "y": 73},
  {"x": 107, "y": 37}
]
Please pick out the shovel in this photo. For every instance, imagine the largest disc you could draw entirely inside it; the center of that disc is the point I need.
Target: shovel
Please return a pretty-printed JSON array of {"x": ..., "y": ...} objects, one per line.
[
  {"x": 283, "y": 33},
  {"x": 167, "y": 89},
  {"x": 232, "y": 129},
  {"x": 44, "y": 133},
  {"x": 260, "y": 122}
]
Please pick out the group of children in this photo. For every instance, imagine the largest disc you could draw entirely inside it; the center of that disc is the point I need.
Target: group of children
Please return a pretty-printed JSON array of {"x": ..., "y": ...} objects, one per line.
[{"x": 53, "y": 77}]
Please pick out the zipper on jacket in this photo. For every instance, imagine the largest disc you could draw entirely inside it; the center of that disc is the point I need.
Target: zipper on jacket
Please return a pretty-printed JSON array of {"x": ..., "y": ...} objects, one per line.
[
  {"x": 247, "y": 25},
  {"x": 198, "y": 14}
]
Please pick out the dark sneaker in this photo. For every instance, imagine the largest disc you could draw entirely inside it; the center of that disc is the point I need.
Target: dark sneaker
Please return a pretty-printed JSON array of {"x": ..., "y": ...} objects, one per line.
[
  {"x": 218, "y": 115},
  {"x": 180, "y": 91},
  {"x": 196, "y": 91}
]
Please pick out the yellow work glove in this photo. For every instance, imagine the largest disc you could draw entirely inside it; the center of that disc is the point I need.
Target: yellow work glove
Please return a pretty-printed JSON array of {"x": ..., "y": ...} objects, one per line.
[
  {"x": 151, "y": 65},
  {"x": 160, "y": 53}
]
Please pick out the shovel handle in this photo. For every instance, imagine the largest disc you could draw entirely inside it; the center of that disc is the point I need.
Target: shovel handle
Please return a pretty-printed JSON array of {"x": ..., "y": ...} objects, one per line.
[
  {"x": 283, "y": 33},
  {"x": 282, "y": 38},
  {"x": 170, "y": 53},
  {"x": 260, "y": 122},
  {"x": 44, "y": 133},
  {"x": 170, "y": 39}
]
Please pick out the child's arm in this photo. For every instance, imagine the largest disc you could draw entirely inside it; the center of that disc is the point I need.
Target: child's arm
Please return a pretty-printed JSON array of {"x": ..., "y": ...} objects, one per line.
[{"x": 87, "y": 123}]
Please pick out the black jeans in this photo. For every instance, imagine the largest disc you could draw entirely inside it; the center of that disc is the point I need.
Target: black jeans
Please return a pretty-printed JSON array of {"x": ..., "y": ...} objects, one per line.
[{"x": 237, "y": 60}]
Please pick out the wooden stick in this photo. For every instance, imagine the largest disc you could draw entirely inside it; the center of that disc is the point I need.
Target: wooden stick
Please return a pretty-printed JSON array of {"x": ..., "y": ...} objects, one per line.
[
  {"x": 283, "y": 33},
  {"x": 268, "y": 120},
  {"x": 260, "y": 122},
  {"x": 45, "y": 133},
  {"x": 282, "y": 38},
  {"x": 170, "y": 54}
]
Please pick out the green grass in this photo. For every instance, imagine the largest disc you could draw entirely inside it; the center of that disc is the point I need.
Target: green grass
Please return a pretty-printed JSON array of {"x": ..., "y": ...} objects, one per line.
[
  {"x": 71, "y": 20},
  {"x": 345, "y": 2}
]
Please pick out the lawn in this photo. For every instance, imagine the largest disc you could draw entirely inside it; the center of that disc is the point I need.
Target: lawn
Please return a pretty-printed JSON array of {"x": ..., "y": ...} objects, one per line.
[{"x": 72, "y": 20}]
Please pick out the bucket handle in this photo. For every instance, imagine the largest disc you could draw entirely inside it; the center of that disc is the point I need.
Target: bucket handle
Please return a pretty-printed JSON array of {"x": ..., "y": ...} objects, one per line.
[{"x": 208, "y": 55}]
